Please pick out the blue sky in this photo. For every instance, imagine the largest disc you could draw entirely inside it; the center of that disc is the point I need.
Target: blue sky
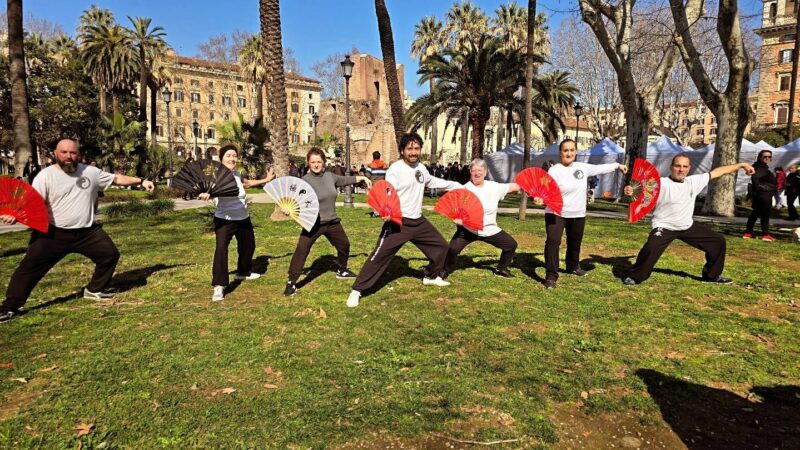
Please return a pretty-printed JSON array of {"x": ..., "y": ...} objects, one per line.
[{"x": 312, "y": 28}]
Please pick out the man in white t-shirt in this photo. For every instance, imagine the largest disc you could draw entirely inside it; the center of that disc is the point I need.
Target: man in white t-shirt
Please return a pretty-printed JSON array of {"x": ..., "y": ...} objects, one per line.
[
  {"x": 409, "y": 178},
  {"x": 489, "y": 193},
  {"x": 70, "y": 190},
  {"x": 672, "y": 219}
]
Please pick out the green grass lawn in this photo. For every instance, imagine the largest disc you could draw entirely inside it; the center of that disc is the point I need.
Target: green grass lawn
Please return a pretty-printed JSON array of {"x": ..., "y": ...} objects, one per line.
[{"x": 486, "y": 359}]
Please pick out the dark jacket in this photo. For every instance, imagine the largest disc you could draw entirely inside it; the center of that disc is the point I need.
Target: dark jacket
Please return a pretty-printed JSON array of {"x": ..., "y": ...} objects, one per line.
[
  {"x": 763, "y": 180},
  {"x": 793, "y": 183}
]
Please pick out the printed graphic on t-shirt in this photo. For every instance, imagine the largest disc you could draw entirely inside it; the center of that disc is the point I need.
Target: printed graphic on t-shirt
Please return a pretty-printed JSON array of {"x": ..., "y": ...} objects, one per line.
[
  {"x": 578, "y": 174},
  {"x": 418, "y": 176},
  {"x": 83, "y": 183}
]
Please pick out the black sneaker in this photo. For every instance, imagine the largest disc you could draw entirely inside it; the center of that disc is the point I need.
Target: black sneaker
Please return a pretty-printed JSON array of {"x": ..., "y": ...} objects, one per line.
[
  {"x": 98, "y": 295},
  {"x": 502, "y": 272},
  {"x": 344, "y": 274},
  {"x": 290, "y": 290},
  {"x": 720, "y": 280},
  {"x": 579, "y": 272},
  {"x": 8, "y": 314},
  {"x": 550, "y": 284},
  {"x": 628, "y": 281}
]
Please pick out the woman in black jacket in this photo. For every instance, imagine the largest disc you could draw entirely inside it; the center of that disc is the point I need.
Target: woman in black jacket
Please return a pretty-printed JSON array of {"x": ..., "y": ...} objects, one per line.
[{"x": 763, "y": 186}]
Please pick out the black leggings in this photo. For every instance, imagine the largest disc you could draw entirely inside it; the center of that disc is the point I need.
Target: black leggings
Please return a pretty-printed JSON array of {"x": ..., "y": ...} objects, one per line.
[
  {"x": 335, "y": 234},
  {"x": 762, "y": 204},
  {"x": 246, "y": 240}
]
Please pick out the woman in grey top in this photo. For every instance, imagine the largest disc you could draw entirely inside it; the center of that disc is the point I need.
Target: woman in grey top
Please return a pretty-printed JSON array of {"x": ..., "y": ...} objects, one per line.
[{"x": 325, "y": 184}]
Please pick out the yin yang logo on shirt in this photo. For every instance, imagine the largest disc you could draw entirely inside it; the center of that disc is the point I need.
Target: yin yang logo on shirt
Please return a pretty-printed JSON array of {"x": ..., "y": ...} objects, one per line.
[
  {"x": 83, "y": 183},
  {"x": 418, "y": 176},
  {"x": 578, "y": 174}
]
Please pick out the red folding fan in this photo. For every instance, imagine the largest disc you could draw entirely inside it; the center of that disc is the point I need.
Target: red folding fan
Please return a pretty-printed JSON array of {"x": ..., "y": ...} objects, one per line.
[
  {"x": 462, "y": 204},
  {"x": 646, "y": 184},
  {"x": 384, "y": 200},
  {"x": 19, "y": 199},
  {"x": 538, "y": 183}
]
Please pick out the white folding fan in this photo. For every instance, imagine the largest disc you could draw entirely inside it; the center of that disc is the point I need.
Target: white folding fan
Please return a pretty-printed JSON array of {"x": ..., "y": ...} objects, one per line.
[{"x": 297, "y": 198}]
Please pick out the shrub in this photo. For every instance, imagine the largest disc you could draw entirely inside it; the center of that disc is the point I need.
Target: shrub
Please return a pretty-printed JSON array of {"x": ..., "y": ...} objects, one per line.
[{"x": 138, "y": 208}]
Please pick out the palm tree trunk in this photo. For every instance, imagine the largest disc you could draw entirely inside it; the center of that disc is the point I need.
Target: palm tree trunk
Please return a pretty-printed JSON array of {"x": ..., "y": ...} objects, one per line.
[
  {"x": 114, "y": 102},
  {"x": 478, "y": 124},
  {"x": 19, "y": 90},
  {"x": 390, "y": 68},
  {"x": 142, "y": 88},
  {"x": 528, "y": 93},
  {"x": 103, "y": 100},
  {"x": 270, "y": 20},
  {"x": 434, "y": 135},
  {"x": 464, "y": 132},
  {"x": 153, "y": 110},
  {"x": 509, "y": 125},
  {"x": 260, "y": 101}
]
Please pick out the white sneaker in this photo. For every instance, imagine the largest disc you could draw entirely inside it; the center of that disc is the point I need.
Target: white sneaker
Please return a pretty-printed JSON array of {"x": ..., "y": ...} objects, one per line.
[
  {"x": 352, "y": 300},
  {"x": 438, "y": 281},
  {"x": 219, "y": 294},
  {"x": 252, "y": 276}
]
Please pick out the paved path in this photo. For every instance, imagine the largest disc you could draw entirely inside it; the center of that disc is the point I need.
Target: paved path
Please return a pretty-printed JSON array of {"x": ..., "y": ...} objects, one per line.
[{"x": 181, "y": 204}]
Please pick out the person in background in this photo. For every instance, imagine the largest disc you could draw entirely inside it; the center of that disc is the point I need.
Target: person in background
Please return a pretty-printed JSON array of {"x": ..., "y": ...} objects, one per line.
[
  {"x": 762, "y": 187},
  {"x": 376, "y": 170},
  {"x": 31, "y": 170},
  {"x": 780, "y": 180},
  {"x": 792, "y": 189}
]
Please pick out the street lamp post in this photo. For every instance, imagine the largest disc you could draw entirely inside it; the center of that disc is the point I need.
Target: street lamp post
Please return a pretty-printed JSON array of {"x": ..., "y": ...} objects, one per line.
[
  {"x": 578, "y": 110},
  {"x": 347, "y": 72},
  {"x": 195, "y": 131},
  {"x": 205, "y": 145},
  {"x": 489, "y": 134},
  {"x": 167, "y": 96},
  {"x": 315, "y": 119}
]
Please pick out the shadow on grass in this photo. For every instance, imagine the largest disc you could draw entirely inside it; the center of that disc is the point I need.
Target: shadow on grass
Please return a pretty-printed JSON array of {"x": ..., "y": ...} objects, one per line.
[
  {"x": 709, "y": 418},
  {"x": 620, "y": 265},
  {"x": 13, "y": 252},
  {"x": 399, "y": 267},
  {"x": 527, "y": 264}
]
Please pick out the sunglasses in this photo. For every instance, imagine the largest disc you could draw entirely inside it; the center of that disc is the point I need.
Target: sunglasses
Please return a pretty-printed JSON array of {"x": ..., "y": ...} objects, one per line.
[{"x": 766, "y": 157}]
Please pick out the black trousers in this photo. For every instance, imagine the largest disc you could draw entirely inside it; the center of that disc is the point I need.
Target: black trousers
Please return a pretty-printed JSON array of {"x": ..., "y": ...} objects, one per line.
[
  {"x": 762, "y": 204},
  {"x": 45, "y": 250},
  {"x": 791, "y": 197},
  {"x": 420, "y": 232},
  {"x": 698, "y": 236},
  {"x": 554, "y": 226},
  {"x": 464, "y": 237},
  {"x": 246, "y": 247},
  {"x": 334, "y": 232}
]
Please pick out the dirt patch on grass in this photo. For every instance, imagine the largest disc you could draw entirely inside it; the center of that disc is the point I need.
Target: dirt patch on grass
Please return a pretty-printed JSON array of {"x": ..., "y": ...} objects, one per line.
[
  {"x": 433, "y": 442},
  {"x": 578, "y": 430},
  {"x": 513, "y": 332},
  {"x": 20, "y": 398}
]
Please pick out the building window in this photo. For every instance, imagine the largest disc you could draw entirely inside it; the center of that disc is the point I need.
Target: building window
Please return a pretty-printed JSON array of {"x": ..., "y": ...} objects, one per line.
[
  {"x": 713, "y": 120},
  {"x": 211, "y": 115},
  {"x": 210, "y": 133},
  {"x": 713, "y": 132},
  {"x": 241, "y": 102},
  {"x": 786, "y": 56},
  {"x": 787, "y": 38},
  {"x": 310, "y": 96},
  {"x": 784, "y": 82},
  {"x": 226, "y": 116},
  {"x": 773, "y": 10},
  {"x": 294, "y": 123},
  {"x": 159, "y": 130},
  {"x": 311, "y": 109},
  {"x": 225, "y": 86},
  {"x": 178, "y": 80},
  {"x": 295, "y": 96},
  {"x": 194, "y": 83},
  {"x": 195, "y": 97},
  {"x": 310, "y": 123},
  {"x": 210, "y": 99},
  {"x": 701, "y": 131},
  {"x": 226, "y": 100},
  {"x": 295, "y": 107},
  {"x": 239, "y": 88},
  {"x": 178, "y": 112},
  {"x": 295, "y": 138},
  {"x": 195, "y": 114},
  {"x": 178, "y": 96},
  {"x": 211, "y": 85},
  {"x": 781, "y": 114}
]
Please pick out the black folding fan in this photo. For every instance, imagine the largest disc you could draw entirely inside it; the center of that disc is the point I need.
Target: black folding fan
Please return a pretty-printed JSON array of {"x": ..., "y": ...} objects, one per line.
[{"x": 206, "y": 175}]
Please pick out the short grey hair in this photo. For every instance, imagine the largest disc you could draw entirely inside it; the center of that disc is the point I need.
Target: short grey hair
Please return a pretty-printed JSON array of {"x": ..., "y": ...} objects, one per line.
[{"x": 478, "y": 162}]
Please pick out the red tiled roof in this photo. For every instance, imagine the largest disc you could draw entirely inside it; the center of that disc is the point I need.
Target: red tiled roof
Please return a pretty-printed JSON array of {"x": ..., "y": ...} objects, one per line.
[{"x": 233, "y": 67}]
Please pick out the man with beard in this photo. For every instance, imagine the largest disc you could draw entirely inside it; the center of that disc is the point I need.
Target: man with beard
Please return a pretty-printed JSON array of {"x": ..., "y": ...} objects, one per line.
[
  {"x": 409, "y": 178},
  {"x": 672, "y": 219},
  {"x": 69, "y": 189}
]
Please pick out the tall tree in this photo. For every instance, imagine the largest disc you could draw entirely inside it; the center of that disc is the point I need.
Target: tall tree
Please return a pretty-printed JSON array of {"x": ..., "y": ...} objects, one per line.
[
  {"x": 390, "y": 69},
  {"x": 110, "y": 59},
  {"x": 252, "y": 64},
  {"x": 19, "y": 91},
  {"x": 429, "y": 39},
  {"x": 149, "y": 43},
  {"x": 271, "y": 40},
  {"x": 528, "y": 93},
  {"x": 729, "y": 105}
]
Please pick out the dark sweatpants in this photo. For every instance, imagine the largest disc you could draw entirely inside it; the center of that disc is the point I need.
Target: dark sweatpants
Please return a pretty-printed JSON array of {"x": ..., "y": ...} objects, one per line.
[
  {"x": 45, "y": 250},
  {"x": 762, "y": 204},
  {"x": 420, "y": 232},
  {"x": 791, "y": 197},
  {"x": 698, "y": 236},
  {"x": 464, "y": 237},
  {"x": 334, "y": 232},
  {"x": 554, "y": 226},
  {"x": 246, "y": 247}
]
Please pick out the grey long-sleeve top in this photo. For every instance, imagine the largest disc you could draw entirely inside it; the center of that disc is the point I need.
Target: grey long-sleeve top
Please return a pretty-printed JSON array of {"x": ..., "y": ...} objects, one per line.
[{"x": 325, "y": 184}]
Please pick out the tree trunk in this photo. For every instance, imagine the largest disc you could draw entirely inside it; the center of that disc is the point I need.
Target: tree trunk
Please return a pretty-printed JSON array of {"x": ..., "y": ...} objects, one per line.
[
  {"x": 637, "y": 120},
  {"x": 478, "y": 123},
  {"x": 270, "y": 20},
  {"x": 142, "y": 89},
  {"x": 260, "y": 102},
  {"x": 19, "y": 89},
  {"x": 720, "y": 200},
  {"x": 509, "y": 125},
  {"x": 153, "y": 114},
  {"x": 528, "y": 93},
  {"x": 434, "y": 134},
  {"x": 390, "y": 68},
  {"x": 462, "y": 157}
]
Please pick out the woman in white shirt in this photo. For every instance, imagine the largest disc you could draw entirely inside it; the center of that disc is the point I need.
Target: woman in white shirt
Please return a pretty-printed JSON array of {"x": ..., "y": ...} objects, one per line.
[
  {"x": 489, "y": 193},
  {"x": 571, "y": 177},
  {"x": 232, "y": 219}
]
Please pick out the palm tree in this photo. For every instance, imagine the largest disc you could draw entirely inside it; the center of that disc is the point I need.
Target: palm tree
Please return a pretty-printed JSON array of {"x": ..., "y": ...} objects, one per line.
[
  {"x": 19, "y": 90},
  {"x": 429, "y": 39},
  {"x": 270, "y": 21},
  {"x": 95, "y": 16},
  {"x": 390, "y": 69},
  {"x": 110, "y": 60},
  {"x": 250, "y": 139},
  {"x": 252, "y": 62},
  {"x": 63, "y": 48},
  {"x": 475, "y": 77},
  {"x": 121, "y": 137},
  {"x": 555, "y": 92},
  {"x": 510, "y": 25},
  {"x": 160, "y": 76},
  {"x": 149, "y": 43}
]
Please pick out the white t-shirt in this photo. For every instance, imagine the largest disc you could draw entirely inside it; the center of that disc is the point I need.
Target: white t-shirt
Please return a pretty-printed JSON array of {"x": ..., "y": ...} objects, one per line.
[
  {"x": 572, "y": 181},
  {"x": 489, "y": 193},
  {"x": 233, "y": 208},
  {"x": 410, "y": 183},
  {"x": 71, "y": 198},
  {"x": 675, "y": 205}
]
